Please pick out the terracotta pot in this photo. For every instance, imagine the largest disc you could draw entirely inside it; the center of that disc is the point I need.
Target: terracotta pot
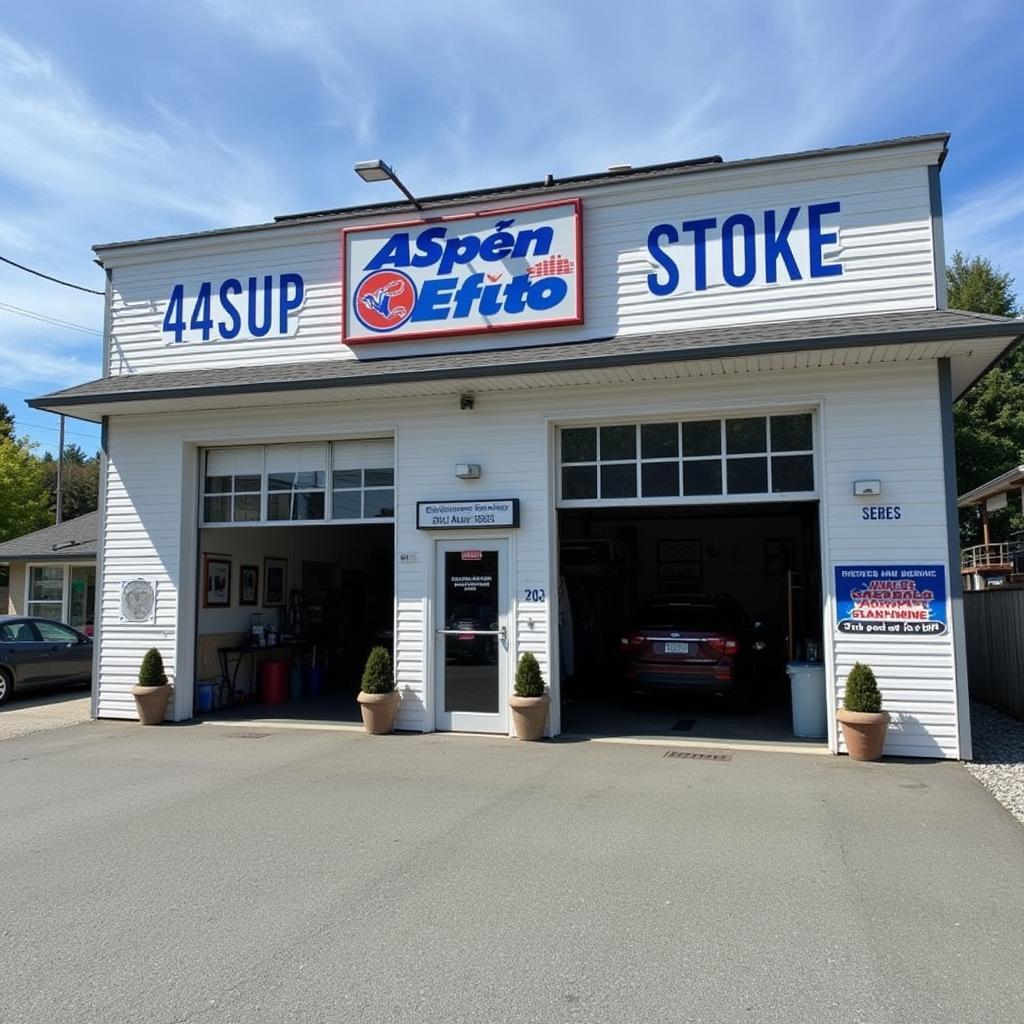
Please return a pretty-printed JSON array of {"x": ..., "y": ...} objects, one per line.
[
  {"x": 864, "y": 733},
  {"x": 379, "y": 711},
  {"x": 151, "y": 702},
  {"x": 529, "y": 715}
]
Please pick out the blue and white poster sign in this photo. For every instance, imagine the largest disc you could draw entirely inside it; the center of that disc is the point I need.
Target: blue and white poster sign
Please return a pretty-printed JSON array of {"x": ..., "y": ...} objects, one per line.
[{"x": 907, "y": 600}]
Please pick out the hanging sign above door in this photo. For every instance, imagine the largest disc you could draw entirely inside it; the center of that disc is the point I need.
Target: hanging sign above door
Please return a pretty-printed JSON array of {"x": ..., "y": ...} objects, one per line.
[{"x": 461, "y": 515}]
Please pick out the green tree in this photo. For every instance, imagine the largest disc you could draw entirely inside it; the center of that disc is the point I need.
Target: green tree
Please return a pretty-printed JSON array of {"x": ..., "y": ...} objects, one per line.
[
  {"x": 23, "y": 504},
  {"x": 990, "y": 417},
  {"x": 81, "y": 481},
  {"x": 6, "y": 421}
]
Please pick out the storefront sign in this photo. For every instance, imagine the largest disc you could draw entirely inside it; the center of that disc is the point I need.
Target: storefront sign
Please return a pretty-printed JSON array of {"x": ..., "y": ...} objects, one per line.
[
  {"x": 461, "y": 515},
  {"x": 468, "y": 274},
  {"x": 739, "y": 249},
  {"x": 909, "y": 600}
]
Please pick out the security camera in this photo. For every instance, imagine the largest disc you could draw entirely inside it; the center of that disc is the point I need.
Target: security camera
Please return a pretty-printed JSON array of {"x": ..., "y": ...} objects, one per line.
[{"x": 467, "y": 402}]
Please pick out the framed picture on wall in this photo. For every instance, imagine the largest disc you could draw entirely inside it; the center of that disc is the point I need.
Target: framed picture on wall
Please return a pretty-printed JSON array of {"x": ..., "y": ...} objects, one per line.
[
  {"x": 248, "y": 585},
  {"x": 217, "y": 581},
  {"x": 683, "y": 550},
  {"x": 275, "y": 582}
]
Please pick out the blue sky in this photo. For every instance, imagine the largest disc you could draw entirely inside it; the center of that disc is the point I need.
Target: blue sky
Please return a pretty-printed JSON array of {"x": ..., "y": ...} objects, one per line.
[{"x": 123, "y": 120}]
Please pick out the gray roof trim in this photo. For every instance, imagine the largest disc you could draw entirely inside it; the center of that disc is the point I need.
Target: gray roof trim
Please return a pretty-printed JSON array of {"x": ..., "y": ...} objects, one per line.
[
  {"x": 579, "y": 181},
  {"x": 788, "y": 336},
  {"x": 74, "y": 540},
  {"x": 1011, "y": 480}
]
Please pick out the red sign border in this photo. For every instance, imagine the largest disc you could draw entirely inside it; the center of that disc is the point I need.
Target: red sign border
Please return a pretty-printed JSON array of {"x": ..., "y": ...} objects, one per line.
[{"x": 576, "y": 202}]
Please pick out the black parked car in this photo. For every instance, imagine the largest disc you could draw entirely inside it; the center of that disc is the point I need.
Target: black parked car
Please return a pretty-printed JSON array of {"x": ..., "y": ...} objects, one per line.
[{"x": 41, "y": 652}]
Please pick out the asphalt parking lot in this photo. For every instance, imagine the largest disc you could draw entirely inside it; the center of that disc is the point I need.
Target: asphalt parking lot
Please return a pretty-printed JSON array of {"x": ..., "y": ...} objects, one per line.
[
  {"x": 199, "y": 873},
  {"x": 42, "y": 711}
]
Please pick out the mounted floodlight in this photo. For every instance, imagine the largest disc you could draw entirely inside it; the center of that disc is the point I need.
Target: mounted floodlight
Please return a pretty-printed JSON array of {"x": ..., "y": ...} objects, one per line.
[{"x": 377, "y": 170}]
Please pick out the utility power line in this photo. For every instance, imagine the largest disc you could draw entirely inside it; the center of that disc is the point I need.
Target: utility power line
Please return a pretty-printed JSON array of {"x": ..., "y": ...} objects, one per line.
[
  {"x": 48, "y": 277},
  {"x": 44, "y": 318}
]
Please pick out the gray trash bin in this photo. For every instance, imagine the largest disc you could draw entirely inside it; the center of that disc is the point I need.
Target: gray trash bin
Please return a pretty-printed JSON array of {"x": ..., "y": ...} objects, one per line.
[{"x": 807, "y": 689}]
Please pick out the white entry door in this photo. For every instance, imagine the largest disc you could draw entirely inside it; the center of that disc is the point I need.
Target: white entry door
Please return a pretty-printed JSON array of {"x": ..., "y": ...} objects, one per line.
[{"x": 471, "y": 636}]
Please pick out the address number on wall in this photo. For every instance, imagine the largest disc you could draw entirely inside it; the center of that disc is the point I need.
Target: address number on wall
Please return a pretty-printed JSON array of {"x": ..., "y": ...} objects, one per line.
[{"x": 534, "y": 594}]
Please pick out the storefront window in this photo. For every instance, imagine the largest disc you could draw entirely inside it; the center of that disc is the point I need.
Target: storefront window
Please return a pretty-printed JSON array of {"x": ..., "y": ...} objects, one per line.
[
  {"x": 296, "y": 482},
  {"x": 363, "y": 479},
  {"x": 46, "y": 592},
  {"x": 698, "y": 458},
  {"x": 231, "y": 486}
]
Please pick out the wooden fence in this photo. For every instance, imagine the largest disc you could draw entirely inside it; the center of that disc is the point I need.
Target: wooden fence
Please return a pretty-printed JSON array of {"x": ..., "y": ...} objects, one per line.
[{"x": 995, "y": 647}]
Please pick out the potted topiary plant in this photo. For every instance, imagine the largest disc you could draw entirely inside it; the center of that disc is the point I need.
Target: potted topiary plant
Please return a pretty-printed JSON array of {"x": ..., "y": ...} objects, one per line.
[
  {"x": 863, "y": 721},
  {"x": 153, "y": 691},
  {"x": 530, "y": 702},
  {"x": 378, "y": 698}
]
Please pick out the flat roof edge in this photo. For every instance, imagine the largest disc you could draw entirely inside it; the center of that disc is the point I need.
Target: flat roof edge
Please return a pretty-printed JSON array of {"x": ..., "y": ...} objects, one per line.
[{"x": 594, "y": 180}]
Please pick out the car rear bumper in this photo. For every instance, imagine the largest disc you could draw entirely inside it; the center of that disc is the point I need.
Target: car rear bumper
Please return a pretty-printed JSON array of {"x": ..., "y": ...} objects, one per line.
[{"x": 701, "y": 678}]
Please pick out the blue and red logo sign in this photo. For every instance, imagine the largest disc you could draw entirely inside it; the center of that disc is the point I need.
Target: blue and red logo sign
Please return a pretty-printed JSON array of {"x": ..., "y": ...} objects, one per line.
[{"x": 384, "y": 300}]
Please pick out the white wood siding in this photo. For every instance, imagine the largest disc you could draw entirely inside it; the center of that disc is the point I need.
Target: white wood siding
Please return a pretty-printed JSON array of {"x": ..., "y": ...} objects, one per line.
[
  {"x": 885, "y": 249},
  {"x": 876, "y": 423}
]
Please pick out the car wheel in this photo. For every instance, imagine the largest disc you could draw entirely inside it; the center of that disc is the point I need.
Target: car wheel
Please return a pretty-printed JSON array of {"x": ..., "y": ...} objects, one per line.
[{"x": 6, "y": 685}]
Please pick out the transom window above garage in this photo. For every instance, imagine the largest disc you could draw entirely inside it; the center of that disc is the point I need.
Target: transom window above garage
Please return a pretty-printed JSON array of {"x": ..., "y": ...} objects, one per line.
[
  {"x": 314, "y": 482},
  {"x": 680, "y": 460}
]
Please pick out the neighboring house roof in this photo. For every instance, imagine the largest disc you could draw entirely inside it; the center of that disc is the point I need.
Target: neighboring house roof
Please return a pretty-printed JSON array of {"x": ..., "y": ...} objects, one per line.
[
  {"x": 621, "y": 350},
  {"x": 1011, "y": 480},
  {"x": 73, "y": 540}
]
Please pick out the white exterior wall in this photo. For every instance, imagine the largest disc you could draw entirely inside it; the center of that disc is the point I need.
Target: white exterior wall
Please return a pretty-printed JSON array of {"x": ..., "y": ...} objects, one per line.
[
  {"x": 874, "y": 423},
  {"x": 885, "y": 249}
]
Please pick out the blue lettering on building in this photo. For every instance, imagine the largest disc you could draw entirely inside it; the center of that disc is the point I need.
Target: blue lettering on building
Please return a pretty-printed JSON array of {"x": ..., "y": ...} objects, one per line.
[
  {"x": 742, "y": 248},
  {"x": 250, "y": 306}
]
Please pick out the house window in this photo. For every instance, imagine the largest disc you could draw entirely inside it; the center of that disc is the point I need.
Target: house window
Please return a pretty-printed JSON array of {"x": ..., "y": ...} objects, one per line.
[
  {"x": 46, "y": 592},
  {"x": 231, "y": 486},
  {"x": 676, "y": 460}
]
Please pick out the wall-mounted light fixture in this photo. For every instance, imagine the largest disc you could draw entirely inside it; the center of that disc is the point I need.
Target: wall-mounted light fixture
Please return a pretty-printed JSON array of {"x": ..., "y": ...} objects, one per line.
[
  {"x": 467, "y": 471},
  {"x": 377, "y": 170},
  {"x": 467, "y": 403},
  {"x": 867, "y": 488}
]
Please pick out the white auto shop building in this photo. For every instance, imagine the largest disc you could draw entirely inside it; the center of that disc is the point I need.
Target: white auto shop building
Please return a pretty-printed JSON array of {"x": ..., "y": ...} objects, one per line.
[{"x": 514, "y": 415}]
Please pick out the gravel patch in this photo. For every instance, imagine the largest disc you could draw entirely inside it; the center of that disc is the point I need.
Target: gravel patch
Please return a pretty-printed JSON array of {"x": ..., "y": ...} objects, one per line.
[
  {"x": 43, "y": 713},
  {"x": 999, "y": 756}
]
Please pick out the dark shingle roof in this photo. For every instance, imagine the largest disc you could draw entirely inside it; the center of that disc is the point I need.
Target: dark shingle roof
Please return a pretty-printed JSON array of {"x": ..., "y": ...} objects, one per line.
[
  {"x": 72, "y": 540},
  {"x": 621, "y": 350}
]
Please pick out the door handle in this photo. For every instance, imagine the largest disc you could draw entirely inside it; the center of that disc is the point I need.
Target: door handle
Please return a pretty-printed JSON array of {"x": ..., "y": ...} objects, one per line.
[{"x": 504, "y": 635}]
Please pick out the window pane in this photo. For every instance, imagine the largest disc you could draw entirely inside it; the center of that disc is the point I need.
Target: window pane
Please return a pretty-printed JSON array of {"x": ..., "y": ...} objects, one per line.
[
  {"x": 579, "y": 482},
  {"x": 57, "y": 634},
  {"x": 792, "y": 433},
  {"x": 703, "y": 476},
  {"x": 618, "y": 481},
  {"x": 347, "y": 478},
  {"x": 748, "y": 476},
  {"x": 48, "y": 584},
  {"x": 46, "y": 610},
  {"x": 618, "y": 443},
  {"x": 217, "y": 510},
  {"x": 380, "y": 477},
  {"x": 579, "y": 444},
  {"x": 247, "y": 508},
  {"x": 793, "y": 473},
  {"x": 280, "y": 481},
  {"x": 308, "y": 505},
  {"x": 658, "y": 479},
  {"x": 346, "y": 505},
  {"x": 218, "y": 484},
  {"x": 659, "y": 440},
  {"x": 746, "y": 435},
  {"x": 702, "y": 438},
  {"x": 379, "y": 504},
  {"x": 247, "y": 483}
]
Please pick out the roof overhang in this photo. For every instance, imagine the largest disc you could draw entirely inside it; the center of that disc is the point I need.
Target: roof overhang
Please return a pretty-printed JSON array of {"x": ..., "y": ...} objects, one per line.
[
  {"x": 1012, "y": 480},
  {"x": 972, "y": 346}
]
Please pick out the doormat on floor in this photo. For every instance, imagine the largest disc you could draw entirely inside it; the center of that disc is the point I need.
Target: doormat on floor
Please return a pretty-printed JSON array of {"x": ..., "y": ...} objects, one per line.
[
  {"x": 697, "y": 755},
  {"x": 684, "y": 725}
]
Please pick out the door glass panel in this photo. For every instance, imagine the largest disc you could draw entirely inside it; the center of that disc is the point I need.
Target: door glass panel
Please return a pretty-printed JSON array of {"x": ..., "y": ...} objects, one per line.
[
  {"x": 471, "y": 642},
  {"x": 82, "y": 599}
]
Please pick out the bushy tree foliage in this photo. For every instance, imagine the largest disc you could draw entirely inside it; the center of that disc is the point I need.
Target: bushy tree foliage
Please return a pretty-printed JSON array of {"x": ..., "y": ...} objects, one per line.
[
  {"x": 529, "y": 681},
  {"x": 151, "y": 671},
  {"x": 378, "y": 676},
  {"x": 990, "y": 417},
  {"x": 23, "y": 504},
  {"x": 862, "y": 693}
]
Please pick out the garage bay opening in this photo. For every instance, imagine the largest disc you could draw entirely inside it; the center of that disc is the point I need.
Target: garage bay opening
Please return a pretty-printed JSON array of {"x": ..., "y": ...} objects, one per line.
[
  {"x": 689, "y": 567},
  {"x": 295, "y": 578}
]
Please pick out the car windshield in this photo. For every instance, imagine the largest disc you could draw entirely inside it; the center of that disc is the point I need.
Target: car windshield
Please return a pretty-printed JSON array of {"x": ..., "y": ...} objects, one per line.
[{"x": 683, "y": 615}]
